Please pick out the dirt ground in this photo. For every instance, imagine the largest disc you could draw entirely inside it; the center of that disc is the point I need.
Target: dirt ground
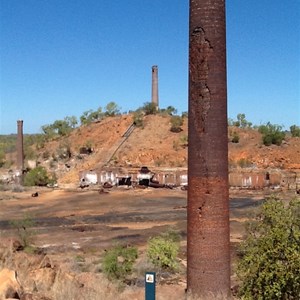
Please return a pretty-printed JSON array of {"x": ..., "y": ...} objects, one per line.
[
  {"x": 87, "y": 218},
  {"x": 83, "y": 223}
]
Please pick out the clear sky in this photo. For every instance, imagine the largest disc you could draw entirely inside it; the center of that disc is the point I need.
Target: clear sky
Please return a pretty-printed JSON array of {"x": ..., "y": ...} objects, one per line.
[{"x": 63, "y": 57}]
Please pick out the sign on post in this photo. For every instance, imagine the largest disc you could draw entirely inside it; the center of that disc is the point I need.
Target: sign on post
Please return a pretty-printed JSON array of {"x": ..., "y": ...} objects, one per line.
[{"x": 150, "y": 286}]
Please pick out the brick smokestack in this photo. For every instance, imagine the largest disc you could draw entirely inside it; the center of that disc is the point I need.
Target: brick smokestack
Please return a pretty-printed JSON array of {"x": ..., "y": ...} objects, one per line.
[
  {"x": 155, "y": 86},
  {"x": 208, "y": 252},
  {"x": 20, "y": 148}
]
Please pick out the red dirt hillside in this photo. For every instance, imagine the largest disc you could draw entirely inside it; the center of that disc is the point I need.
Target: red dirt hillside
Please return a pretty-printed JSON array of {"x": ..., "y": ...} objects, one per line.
[{"x": 155, "y": 146}]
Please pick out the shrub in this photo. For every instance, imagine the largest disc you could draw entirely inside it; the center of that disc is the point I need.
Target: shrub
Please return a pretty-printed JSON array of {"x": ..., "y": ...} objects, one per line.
[
  {"x": 64, "y": 150},
  {"x": 272, "y": 134},
  {"x": 176, "y": 123},
  {"x": 162, "y": 250},
  {"x": 149, "y": 108},
  {"x": 270, "y": 263},
  {"x": 29, "y": 153},
  {"x": 235, "y": 138},
  {"x": 176, "y": 145},
  {"x": 118, "y": 262},
  {"x": 244, "y": 163},
  {"x": 36, "y": 177},
  {"x": 24, "y": 231},
  {"x": 295, "y": 131},
  {"x": 2, "y": 158},
  {"x": 184, "y": 141},
  {"x": 170, "y": 110},
  {"x": 138, "y": 118}
]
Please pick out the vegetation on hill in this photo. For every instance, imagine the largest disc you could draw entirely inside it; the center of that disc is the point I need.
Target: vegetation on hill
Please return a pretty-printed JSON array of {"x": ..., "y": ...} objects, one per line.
[
  {"x": 66, "y": 138},
  {"x": 271, "y": 134}
]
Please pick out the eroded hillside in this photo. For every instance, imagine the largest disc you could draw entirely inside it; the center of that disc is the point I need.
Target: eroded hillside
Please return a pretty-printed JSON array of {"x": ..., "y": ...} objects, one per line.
[{"x": 155, "y": 146}]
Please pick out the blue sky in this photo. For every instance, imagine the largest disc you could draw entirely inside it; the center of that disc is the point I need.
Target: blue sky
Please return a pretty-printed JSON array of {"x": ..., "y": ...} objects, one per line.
[{"x": 60, "y": 58}]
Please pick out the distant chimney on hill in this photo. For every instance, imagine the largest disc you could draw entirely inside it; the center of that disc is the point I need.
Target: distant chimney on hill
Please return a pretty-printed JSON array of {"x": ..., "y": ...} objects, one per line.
[
  {"x": 155, "y": 86},
  {"x": 20, "y": 149}
]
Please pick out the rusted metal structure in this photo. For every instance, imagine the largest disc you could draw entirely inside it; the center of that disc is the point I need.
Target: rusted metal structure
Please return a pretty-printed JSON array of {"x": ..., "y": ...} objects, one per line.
[
  {"x": 20, "y": 148},
  {"x": 208, "y": 252},
  {"x": 154, "y": 98}
]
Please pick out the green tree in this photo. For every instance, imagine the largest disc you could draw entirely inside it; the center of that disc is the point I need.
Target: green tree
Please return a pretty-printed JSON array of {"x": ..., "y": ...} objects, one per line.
[
  {"x": 295, "y": 131},
  {"x": 242, "y": 122},
  {"x": 90, "y": 116},
  {"x": 61, "y": 127},
  {"x": 48, "y": 131},
  {"x": 270, "y": 255},
  {"x": 170, "y": 110},
  {"x": 71, "y": 121},
  {"x": 112, "y": 109}
]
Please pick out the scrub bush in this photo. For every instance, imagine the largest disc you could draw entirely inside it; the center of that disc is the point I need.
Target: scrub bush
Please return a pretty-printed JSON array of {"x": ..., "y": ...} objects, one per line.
[
  {"x": 162, "y": 250},
  {"x": 269, "y": 267},
  {"x": 271, "y": 134},
  {"x": 37, "y": 177},
  {"x": 118, "y": 262}
]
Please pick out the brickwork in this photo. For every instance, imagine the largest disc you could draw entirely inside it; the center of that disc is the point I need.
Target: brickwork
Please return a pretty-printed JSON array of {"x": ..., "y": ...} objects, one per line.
[{"x": 208, "y": 257}]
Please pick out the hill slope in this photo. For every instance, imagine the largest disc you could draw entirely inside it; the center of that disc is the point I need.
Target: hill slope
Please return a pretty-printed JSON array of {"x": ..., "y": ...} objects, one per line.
[{"x": 155, "y": 146}]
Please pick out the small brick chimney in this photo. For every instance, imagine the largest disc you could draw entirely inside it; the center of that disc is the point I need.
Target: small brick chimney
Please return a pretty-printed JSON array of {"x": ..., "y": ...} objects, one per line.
[{"x": 20, "y": 148}]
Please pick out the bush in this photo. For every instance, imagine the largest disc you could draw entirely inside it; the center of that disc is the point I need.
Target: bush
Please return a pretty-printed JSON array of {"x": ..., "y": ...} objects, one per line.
[
  {"x": 36, "y": 177},
  {"x": 138, "y": 118},
  {"x": 176, "y": 123},
  {"x": 162, "y": 250},
  {"x": 235, "y": 138},
  {"x": 244, "y": 163},
  {"x": 2, "y": 158},
  {"x": 149, "y": 108},
  {"x": 295, "y": 131},
  {"x": 24, "y": 231},
  {"x": 118, "y": 262},
  {"x": 270, "y": 263},
  {"x": 272, "y": 134}
]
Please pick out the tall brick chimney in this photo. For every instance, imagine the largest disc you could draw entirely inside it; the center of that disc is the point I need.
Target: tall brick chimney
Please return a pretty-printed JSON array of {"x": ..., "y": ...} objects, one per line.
[
  {"x": 208, "y": 242},
  {"x": 155, "y": 86},
  {"x": 20, "y": 149}
]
